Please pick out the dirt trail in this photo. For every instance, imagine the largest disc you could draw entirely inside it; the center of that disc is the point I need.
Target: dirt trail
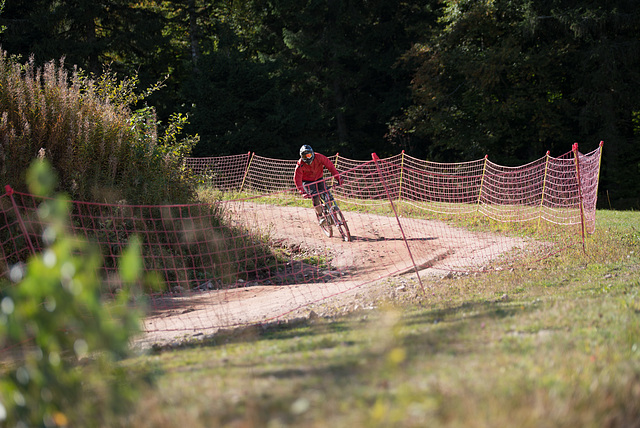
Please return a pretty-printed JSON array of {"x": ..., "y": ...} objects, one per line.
[{"x": 376, "y": 251}]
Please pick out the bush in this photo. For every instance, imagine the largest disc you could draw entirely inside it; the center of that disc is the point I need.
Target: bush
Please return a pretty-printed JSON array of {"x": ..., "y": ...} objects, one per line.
[
  {"x": 100, "y": 148},
  {"x": 102, "y": 151}
]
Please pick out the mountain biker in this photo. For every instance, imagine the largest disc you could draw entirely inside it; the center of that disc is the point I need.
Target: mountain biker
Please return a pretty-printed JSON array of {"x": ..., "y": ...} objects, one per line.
[{"x": 309, "y": 169}]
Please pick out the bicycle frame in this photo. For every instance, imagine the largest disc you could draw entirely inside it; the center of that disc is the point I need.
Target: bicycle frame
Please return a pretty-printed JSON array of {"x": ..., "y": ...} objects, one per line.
[{"x": 331, "y": 215}]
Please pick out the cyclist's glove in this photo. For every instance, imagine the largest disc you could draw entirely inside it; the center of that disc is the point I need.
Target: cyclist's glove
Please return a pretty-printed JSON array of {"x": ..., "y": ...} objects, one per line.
[
  {"x": 340, "y": 181},
  {"x": 307, "y": 196}
]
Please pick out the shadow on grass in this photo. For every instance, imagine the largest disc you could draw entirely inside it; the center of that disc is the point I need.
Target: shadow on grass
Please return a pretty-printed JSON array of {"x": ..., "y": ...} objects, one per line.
[
  {"x": 472, "y": 310},
  {"x": 346, "y": 348}
]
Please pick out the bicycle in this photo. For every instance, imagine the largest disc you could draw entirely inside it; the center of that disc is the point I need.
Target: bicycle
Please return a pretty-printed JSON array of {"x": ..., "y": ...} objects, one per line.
[{"x": 331, "y": 216}]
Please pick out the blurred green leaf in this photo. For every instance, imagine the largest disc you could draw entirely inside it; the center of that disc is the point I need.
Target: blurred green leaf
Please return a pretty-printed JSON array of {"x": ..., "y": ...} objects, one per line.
[
  {"x": 131, "y": 261},
  {"x": 41, "y": 178}
]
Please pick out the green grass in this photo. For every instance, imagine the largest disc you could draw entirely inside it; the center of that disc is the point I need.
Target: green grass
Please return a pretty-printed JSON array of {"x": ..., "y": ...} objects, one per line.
[
  {"x": 455, "y": 214},
  {"x": 557, "y": 345}
]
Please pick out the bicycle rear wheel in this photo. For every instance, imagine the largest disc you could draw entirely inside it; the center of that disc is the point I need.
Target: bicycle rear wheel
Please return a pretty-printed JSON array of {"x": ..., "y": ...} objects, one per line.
[{"x": 341, "y": 224}]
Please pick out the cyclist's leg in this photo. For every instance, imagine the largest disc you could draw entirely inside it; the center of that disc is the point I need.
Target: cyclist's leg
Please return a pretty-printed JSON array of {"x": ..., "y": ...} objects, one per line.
[
  {"x": 316, "y": 205},
  {"x": 321, "y": 187},
  {"x": 312, "y": 188}
]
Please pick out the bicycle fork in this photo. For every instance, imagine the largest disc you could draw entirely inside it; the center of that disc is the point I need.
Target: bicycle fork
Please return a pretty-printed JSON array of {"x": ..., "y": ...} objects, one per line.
[
  {"x": 332, "y": 215},
  {"x": 328, "y": 210}
]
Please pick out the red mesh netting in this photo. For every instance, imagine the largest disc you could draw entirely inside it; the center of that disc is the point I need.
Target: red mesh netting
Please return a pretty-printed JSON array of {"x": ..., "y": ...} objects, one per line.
[{"x": 261, "y": 256}]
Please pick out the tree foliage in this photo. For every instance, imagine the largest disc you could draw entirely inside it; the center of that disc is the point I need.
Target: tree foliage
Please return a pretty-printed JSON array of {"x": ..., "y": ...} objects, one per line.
[
  {"x": 342, "y": 57},
  {"x": 241, "y": 105},
  {"x": 513, "y": 79},
  {"x": 88, "y": 33},
  {"x": 448, "y": 80}
]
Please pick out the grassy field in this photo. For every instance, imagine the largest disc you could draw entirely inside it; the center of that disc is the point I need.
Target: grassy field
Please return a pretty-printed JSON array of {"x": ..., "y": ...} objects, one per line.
[{"x": 555, "y": 346}]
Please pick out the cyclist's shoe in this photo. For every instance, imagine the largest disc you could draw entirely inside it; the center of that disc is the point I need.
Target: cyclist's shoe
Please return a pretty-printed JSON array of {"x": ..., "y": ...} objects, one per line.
[{"x": 323, "y": 221}]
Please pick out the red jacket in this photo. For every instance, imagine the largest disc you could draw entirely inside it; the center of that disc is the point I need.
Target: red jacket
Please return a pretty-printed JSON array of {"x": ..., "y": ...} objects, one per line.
[{"x": 313, "y": 172}]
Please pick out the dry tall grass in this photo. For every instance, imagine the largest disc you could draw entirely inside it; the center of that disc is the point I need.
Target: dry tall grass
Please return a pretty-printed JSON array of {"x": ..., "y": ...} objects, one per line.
[{"x": 101, "y": 149}]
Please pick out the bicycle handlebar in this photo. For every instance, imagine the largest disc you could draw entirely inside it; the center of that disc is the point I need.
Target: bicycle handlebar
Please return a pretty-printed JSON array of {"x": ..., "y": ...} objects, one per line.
[{"x": 313, "y": 190}]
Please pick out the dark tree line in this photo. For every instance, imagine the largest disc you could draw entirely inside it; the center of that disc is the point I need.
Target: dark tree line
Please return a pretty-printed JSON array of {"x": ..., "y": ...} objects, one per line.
[
  {"x": 513, "y": 79},
  {"x": 448, "y": 80}
]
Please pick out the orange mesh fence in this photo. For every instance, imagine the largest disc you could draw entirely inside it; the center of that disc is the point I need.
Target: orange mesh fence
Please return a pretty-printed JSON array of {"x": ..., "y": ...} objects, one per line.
[
  {"x": 266, "y": 175},
  {"x": 258, "y": 258},
  {"x": 185, "y": 244},
  {"x": 223, "y": 172},
  {"x": 250, "y": 172},
  {"x": 586, "y": 190}
]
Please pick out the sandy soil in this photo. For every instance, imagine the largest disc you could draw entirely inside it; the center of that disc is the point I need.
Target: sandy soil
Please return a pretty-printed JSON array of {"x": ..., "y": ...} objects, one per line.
[{"x": 377, "y": 251}]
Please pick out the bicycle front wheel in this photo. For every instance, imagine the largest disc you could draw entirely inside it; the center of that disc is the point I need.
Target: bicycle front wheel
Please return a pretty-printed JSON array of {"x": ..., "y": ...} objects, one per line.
[
  {"x": 341, "y": 224},
  {"x": 325, "y": 224},
  {"x": 325, "y": 218}
]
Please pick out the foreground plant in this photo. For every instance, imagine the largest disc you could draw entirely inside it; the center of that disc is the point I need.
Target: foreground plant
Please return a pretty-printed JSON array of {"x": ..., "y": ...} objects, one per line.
[{"x": 66, "y": 337}]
